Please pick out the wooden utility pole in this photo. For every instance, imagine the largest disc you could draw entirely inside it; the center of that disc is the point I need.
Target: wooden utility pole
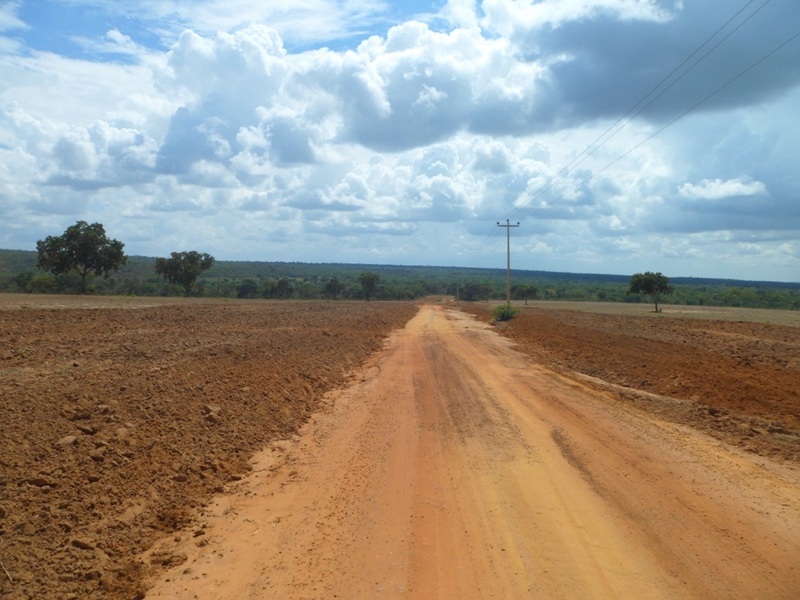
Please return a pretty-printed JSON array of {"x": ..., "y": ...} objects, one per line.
[{"x": 508, "y": 227}]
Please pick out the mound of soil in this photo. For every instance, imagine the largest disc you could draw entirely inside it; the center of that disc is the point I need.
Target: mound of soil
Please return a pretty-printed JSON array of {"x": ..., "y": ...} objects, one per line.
[
  {"x": 737, "y": 380},
  {"x": 116, "y": 424}
]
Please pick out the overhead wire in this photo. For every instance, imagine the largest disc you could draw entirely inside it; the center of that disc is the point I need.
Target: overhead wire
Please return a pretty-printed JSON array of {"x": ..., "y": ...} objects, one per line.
[
  {"x": 696, "y": 105},
  {"x": 643, "y": 104}
]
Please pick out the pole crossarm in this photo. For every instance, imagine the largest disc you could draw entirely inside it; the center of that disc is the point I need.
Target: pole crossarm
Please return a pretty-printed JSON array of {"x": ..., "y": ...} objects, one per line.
[{"x": 508, "y": 225}]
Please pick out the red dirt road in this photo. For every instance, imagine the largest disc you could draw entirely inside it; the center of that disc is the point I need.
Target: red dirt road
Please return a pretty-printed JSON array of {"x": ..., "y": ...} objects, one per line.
[{"x": 457, "y": 468}]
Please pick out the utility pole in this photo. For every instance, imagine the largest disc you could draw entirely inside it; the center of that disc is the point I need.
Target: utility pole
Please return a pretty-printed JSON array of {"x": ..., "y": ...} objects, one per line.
[{"x": 508, "y": 227}]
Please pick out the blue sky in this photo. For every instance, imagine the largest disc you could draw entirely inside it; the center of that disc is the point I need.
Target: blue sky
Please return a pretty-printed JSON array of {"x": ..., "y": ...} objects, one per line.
[{"x": 624, "y": 135}]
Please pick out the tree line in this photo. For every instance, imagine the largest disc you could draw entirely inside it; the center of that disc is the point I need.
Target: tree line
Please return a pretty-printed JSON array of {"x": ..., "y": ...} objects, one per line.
[
  {"x": 22, "y": 271},
  {"x": 85, "y": 251}
]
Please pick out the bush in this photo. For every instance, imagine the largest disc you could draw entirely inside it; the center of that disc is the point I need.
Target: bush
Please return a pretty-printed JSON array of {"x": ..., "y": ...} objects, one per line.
[
  {"x": 43, "y": 284},
  {"x": 504, "y": 313},
  {"x": 247, "y": 289}
]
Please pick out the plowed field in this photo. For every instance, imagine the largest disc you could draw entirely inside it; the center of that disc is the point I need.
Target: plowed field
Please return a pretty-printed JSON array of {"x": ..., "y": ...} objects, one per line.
[
  {"x": 119, "y": 418},
  {"x": 735, "y": 379}
]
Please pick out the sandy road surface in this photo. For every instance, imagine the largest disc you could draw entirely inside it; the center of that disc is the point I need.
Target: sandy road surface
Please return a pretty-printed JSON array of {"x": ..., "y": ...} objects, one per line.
[{"x": 455, "y": 468}]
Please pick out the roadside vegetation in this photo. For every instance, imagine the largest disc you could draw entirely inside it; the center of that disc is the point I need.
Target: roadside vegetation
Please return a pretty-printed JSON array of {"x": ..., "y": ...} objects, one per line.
[{"x": 504, "y": 312}]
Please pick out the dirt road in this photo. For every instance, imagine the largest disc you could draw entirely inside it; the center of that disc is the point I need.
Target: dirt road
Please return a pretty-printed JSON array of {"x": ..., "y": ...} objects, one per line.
[{"x": 456, "y": 468}]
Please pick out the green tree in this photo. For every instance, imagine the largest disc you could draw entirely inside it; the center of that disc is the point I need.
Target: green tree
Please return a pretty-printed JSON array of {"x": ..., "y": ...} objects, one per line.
[
  {"x": 369, "y": 282},
  {"x": 333, "y": 288},
  {"x": 44, "y": 283},
  {"x": 23, "y": 280},
  {"x": 306, "y": 289},
  {"x": 650, "y": 284},
  {"x": 284, "y": 288},
  {"x": 84, "y": 249},
  {"x": 270, "y": 288},
  {"x": 472, "y": 291},
  {"x": 183, "y": 268},
  {"x": 247, "y": 289},
  {"x": 524, "y": 291}
]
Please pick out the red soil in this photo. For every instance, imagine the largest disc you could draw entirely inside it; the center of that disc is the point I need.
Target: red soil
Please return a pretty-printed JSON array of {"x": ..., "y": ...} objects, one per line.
[{"x": 116, "y": 424}]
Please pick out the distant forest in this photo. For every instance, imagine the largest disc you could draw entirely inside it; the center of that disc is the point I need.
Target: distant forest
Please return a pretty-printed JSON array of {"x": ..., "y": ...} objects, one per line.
[{"x": 276, "y": 280}]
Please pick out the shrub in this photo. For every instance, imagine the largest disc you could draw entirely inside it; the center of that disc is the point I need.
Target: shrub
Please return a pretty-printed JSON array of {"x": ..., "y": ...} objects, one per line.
[{"x": 504, "y": 313}]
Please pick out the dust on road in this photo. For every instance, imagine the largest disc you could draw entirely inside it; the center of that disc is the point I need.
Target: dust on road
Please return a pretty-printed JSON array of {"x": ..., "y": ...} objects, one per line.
[{"x": 456, "y": 468}]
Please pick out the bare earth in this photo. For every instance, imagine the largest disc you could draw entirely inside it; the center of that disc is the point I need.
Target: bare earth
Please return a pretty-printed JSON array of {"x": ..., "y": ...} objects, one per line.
[
  {"x": 617, "y": 457},
  {"x": 121, "y": 417},
  {"x": 735, "y": 376},
  {"x": 459, "y": 469}
]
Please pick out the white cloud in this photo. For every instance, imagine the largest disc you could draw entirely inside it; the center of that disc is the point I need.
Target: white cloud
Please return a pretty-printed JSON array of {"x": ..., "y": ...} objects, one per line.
[
  {"x": 69, "y": 92},
  {"x": 717, "y": 189},
  {"x": 9, "y": 17},
  {"x": 113, "y": 43},
  {"x": 460, "y": 14},
  {"x": 307, "y": 22},
  {"x": 510, "y": 17},
  {"x": 73, "y": 154}
]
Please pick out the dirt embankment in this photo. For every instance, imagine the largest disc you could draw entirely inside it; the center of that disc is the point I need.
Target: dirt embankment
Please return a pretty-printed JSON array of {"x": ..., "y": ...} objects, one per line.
[
  {"x": 737, "y": 380},
  {"x": 117, "y": 423}
]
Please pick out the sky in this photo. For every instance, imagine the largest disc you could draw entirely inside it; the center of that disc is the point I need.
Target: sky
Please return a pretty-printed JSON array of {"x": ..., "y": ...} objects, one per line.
[{"x": 622, "y": 135}]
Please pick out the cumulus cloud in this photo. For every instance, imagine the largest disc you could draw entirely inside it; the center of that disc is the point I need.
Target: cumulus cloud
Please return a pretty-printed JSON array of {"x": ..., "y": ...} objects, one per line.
[
  {"x": 460, "y": 14},
  {"x": 608, "y": 63},
  {"x": 717, "y": 189},
  {"x": 519, "y": 17}
]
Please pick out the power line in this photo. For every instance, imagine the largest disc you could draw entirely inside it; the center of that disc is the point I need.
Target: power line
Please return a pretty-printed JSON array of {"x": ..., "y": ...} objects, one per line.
[
  {"x": 692, "y": 108},
  {"x": 643, "y": 104},
  {"x": 697, "y": 104},
  {"x": 633, "y": 112}
]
